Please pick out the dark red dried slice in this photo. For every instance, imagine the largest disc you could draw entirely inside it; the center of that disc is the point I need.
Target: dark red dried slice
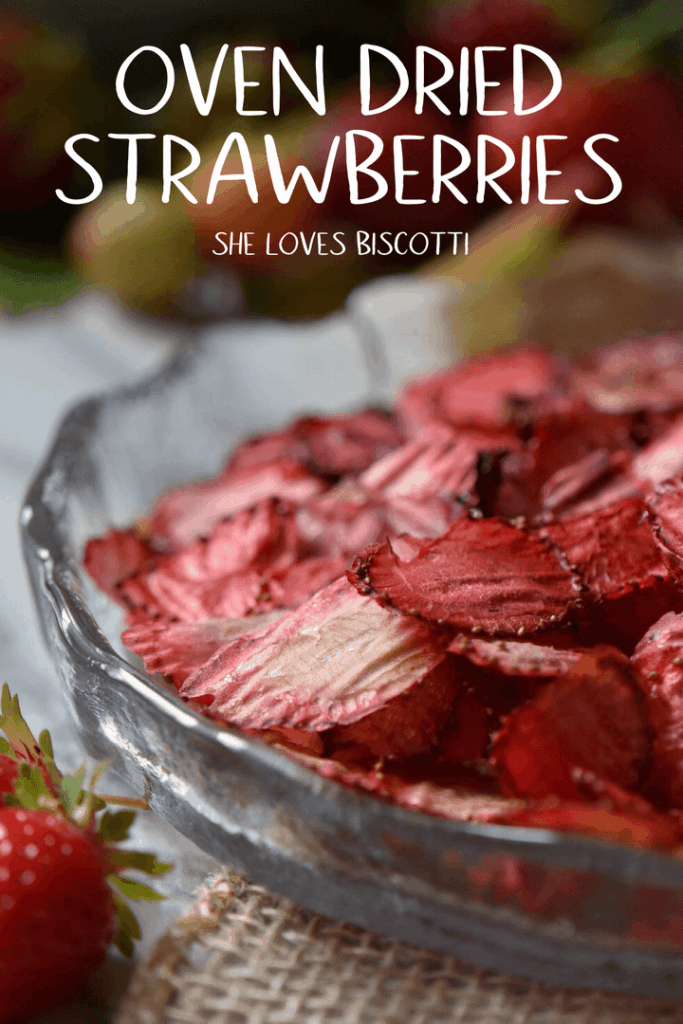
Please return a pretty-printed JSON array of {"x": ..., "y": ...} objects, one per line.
[
  {"x": 182, "y": 515},
  {"x": 666, "y": 501},
  {"x": 410, "y": 723},
  {"x": 628, "y": 583},
  {"x": 481, "y": 392},
  {"x": 335, "y": 659},
  {"x": 482, "y": 574},
  {"x": 658, "y": 661},
  {"x": 589, "y": 717},
  {"x": 562, "y": 433},
  {"x": 652, "y": 832},
  {"x": 466, "y": 736},
  {"x": 177, "y": 649},
  {"x": 113, "y": 557}
]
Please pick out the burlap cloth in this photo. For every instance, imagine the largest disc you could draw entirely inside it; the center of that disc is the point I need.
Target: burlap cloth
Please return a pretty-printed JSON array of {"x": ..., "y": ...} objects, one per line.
[{"x": 247, "y": 956}]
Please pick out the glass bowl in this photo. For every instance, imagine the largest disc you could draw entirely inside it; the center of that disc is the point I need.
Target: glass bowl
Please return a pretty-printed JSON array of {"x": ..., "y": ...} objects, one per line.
[{"x": 527, "y": 902}]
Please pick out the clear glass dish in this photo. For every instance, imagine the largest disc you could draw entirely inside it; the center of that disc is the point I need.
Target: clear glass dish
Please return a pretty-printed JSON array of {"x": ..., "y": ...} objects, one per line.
[{"x": 533, "y": 903}]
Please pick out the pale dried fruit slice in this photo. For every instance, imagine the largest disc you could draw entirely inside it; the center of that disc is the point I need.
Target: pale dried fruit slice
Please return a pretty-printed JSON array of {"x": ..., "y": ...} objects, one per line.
[
  {"x": 335, "y": 659},
  {"x": 189, "y": 512},
  {"x": 177, "y": 649},
  {"x": 516, "y": 657}
]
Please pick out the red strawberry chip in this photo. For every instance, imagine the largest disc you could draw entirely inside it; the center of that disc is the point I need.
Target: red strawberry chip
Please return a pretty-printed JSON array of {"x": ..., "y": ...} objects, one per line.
[
  {"x": 658, "y": 661},
  {"x": 333, "y": 445},
  {"x": 634, "y": 375},
  {"x": 516, "y": 657},
  {"x": 113, "y": 557},
  {"x": 467, "y": 734},
  {"x": 583, "y": 482},
  {"x": 482, "y": 392},
  {"x": 482, "y": 574},
  {"x": 410, "y": 723},
  {"x": 291, "y": 587},
  {"x": 663, "y": 457},
  {"x": 628, "y": 583},
  {"x": 177, "y": 649},
  {"x": 160, "y": 593},
  {"x": 189, "y": 512},
  {"x": 666, "y": 502},
  {"x": 335, "y": 659},
  {"x": 589, "y": 717}
]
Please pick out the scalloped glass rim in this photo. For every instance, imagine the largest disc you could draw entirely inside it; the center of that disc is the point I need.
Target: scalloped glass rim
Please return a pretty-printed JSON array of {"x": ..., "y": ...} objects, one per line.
[{"x": 534, "y": 903}]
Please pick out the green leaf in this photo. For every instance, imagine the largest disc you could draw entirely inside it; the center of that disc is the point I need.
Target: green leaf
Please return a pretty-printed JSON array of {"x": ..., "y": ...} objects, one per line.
[
  {"x": 135, "y": 890},
  {"x": 114, "y": 827},
  {"x": 15, "y": 728},
  {"x": 129, "y": 929},
  {"x": 6, "y": 748},
  {"x": 137, "y": 860},
  {"x": 45, "y": 744},
  {"x": 71, "y": 789},
  {"x": 31, "y": 790}
]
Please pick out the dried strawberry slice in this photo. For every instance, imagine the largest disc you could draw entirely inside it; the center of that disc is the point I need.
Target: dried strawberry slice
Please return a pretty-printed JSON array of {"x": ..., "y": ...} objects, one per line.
[
  {"x": 516, "y": 657},
  {"x": 340, "y": 521},
  {"x": 182, "y": 515},
  {"x": 440, "y": 462},
  {"x": 466, "y": 737},
  {"x": 582, "y": 482},
  {"x": 666, "y": 501},
  {"x": 481, "y": 392},
  {"x": 162, "y": 595},
  {"x": 634, "y": 375},
  {"x": 334, "y": 445},
  {"x": 589, "y": 717},
  {"x": 663, "y": 457},
  {"x": 113, "y": 557},
  {"x": 291, "y": 587},
  {"x": 482, "y": 574},
  {"x": 177, "y": 649},
  {"x": 410, "y": 723},
  {"x": 335, "y": 659},
  {"x": 658, "y": 661},
  {"x": 628, "y": 583}
]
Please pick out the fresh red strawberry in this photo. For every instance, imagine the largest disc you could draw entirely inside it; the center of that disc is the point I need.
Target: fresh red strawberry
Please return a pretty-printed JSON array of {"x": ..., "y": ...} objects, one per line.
[
  {"x": 61, "y": 880},
  {"x": 9, "y": 770},
  {"x": 57, "y": 911}
]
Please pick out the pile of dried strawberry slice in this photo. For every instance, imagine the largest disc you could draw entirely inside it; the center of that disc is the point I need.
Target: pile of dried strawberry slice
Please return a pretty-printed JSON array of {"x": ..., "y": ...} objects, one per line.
[{"x": 473, "y": 607}]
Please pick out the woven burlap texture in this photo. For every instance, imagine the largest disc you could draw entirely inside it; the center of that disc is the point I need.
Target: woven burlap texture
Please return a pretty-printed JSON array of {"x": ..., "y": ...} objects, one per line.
[{"x": 247, "y": 956}]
